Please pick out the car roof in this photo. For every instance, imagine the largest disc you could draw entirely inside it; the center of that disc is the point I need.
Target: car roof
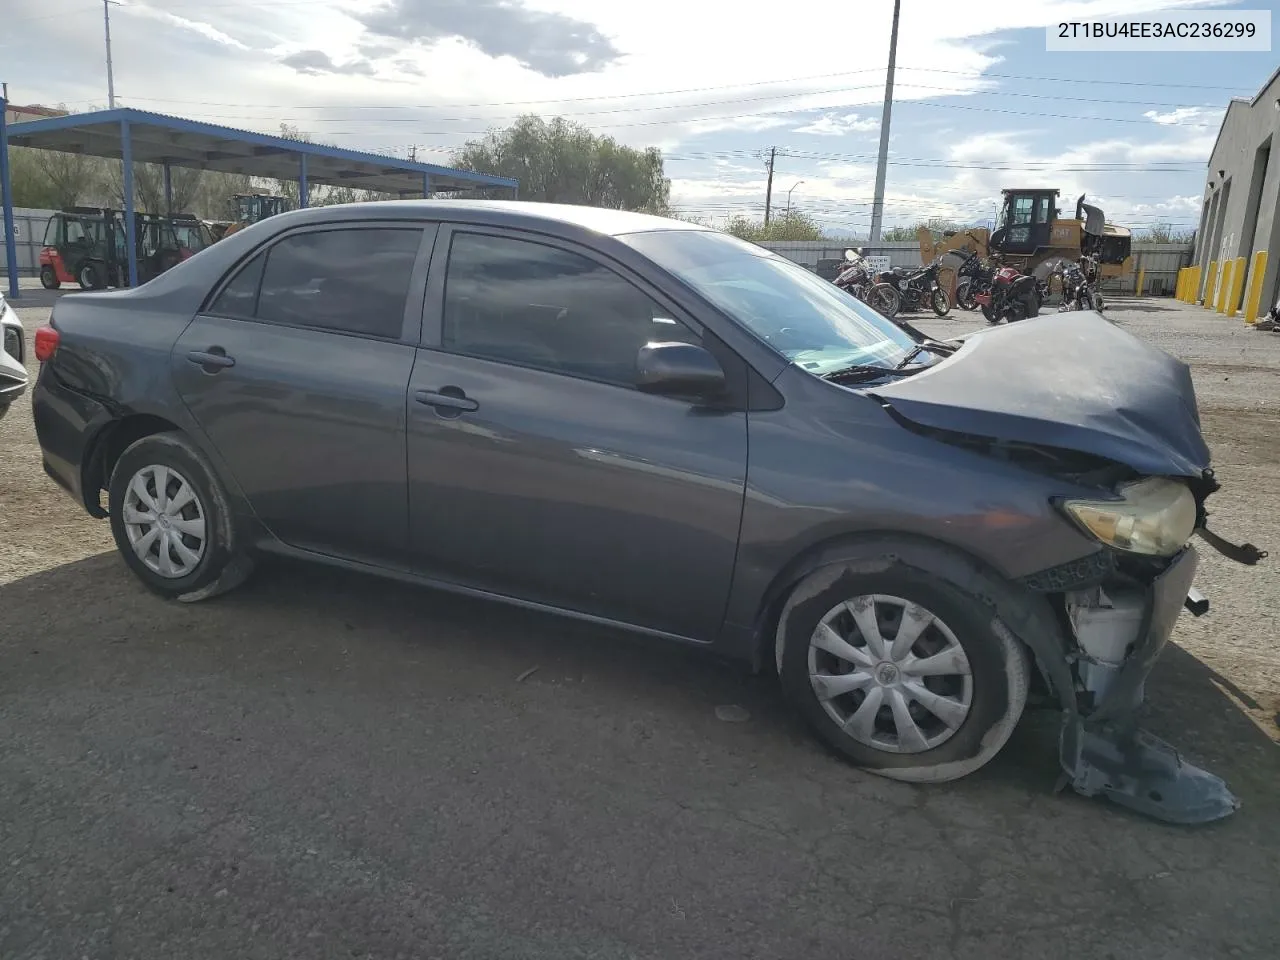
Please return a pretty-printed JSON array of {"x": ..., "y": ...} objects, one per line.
[{"x": 502, "y": 212}]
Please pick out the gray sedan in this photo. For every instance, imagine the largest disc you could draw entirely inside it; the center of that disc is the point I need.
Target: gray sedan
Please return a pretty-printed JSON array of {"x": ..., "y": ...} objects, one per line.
[{"x": 655, "y": 426}]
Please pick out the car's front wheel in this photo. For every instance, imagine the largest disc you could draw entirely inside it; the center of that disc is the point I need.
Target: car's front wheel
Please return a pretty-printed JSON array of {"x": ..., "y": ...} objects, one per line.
[
  {"x": 172, "y": 522},
  {"x": 901, "y": 671}
]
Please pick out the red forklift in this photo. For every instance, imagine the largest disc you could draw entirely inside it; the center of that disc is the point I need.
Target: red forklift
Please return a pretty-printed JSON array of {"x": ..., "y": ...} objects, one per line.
[{"x": 88, "y": 246}]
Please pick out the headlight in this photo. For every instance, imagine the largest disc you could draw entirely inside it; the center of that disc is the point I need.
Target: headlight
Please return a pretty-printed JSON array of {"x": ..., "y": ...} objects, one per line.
[{"x": 1153, "y": 516}]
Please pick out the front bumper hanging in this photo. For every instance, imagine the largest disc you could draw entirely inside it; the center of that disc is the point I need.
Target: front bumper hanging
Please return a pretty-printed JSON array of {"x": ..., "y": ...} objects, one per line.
[{"x": 1105, "y": 754}]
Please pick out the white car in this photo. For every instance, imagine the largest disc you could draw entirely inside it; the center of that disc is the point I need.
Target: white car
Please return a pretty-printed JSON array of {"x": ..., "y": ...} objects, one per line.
[{"x": 13, "y": 371}]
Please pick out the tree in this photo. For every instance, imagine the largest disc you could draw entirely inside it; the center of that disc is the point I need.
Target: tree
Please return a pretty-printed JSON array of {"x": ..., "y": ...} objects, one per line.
[
  {"x": 1165, "y": 233},
  {"x": 564, "y": 162},
  {"x": 789, "y": 226}
]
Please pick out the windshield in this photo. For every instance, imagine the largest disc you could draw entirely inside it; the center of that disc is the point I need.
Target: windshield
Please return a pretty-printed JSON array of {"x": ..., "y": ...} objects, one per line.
[{"x": 811, "y": 322}]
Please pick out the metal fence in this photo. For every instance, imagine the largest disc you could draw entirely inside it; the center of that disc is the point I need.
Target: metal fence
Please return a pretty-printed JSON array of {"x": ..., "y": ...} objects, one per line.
[
  {"x": 29, "y": 226},
  {"x": 1156, "y": 263}
]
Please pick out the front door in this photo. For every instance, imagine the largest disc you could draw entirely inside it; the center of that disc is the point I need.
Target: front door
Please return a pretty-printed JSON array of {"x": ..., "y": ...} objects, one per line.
[
  {"x": 297, "y": 374},
  {"x": 537, "y": 470}
]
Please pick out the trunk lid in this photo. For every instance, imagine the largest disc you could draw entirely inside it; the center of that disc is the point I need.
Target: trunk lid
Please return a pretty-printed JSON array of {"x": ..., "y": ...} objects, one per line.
[{"x": 1071, "y": 380}]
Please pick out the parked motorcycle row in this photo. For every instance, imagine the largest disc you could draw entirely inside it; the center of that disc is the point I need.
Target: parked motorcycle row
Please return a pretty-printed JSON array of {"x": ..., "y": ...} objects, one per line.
[
  {"x": 896, "y": 290},
  {"x": 1001, "y": 292}
]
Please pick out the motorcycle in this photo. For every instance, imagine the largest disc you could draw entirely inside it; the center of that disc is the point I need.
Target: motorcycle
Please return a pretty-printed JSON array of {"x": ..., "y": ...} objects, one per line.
[
  {"x": 1078, "y": 292},
  {"x": 973, "y": 276},
  {"x": 1012, "y": 296},
  {"x": 855, "y": 278},
  {"x": 917, "y": 288}
]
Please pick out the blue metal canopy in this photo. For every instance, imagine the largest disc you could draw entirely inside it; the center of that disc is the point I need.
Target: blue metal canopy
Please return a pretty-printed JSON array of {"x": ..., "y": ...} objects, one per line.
[{"x": 139, "y": 136}]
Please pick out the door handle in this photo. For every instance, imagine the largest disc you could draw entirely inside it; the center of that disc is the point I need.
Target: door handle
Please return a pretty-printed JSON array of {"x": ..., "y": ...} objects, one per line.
[
  {"x": 448, "y": 398},
  {"x": 213, "y": 359}
]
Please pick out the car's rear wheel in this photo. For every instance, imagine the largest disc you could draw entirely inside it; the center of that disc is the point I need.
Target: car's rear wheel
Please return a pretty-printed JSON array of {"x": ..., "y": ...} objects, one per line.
[
  {"x": 172, "y": 522},
  {"x": 901, "y": 672},
  {"x": 49, "y": 278}
]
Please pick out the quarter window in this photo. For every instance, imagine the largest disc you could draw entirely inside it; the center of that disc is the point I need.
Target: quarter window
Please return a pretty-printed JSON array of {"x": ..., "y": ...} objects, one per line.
[
  {"x": 528, "y": 303},
  {"x": 239, "y": 298},
  {"x": 349, "y": 281}
]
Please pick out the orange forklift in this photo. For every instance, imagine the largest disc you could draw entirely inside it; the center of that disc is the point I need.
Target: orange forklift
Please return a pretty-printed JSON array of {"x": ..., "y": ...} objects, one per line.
[{"x": 88, "y": 246}]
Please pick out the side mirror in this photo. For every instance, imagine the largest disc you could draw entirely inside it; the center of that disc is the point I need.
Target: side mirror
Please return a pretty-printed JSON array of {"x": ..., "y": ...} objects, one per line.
[{"x": 678, "y": 370}]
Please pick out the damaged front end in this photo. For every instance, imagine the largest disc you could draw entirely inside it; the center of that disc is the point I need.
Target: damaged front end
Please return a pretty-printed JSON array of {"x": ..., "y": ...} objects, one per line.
[{"x": 1121, "y": 623}]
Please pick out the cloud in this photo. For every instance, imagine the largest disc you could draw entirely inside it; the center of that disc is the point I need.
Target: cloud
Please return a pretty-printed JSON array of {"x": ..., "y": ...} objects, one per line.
[
  {"x": 206, "y": 30},
  {"x": 1180, "y": 116},
  {"x": 317, "y": 62},
  {"x": 834, "y": 125},
  {"x": 552, "y": 44}
]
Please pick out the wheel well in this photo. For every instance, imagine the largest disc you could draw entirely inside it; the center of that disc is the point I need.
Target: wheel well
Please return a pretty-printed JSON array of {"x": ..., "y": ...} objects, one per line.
[
  {"x": 1029, "y": 616},
  {"x": 113, "y": 440}
]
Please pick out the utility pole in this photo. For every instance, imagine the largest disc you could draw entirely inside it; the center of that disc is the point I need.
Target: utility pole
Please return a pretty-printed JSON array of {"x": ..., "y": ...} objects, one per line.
[
  {"x": 877, "y": 203},
  {"x": 111, "y": 83},
  {"x": 768, "y": 190},
  {"x": 793, "y": 186},
  {"x": 413, "y": 152}
]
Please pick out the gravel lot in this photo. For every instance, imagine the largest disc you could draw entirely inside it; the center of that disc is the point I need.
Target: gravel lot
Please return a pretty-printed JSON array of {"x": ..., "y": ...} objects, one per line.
[{"x": 322, "y": 765}]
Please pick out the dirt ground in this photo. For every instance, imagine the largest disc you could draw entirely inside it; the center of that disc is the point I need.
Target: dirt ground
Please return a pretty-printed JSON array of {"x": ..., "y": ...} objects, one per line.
[{"x": 324, "y": 765}]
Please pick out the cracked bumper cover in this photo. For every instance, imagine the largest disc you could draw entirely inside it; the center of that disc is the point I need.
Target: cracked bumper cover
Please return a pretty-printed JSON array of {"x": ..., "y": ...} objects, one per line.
[{"x": 1104, "y": 753}]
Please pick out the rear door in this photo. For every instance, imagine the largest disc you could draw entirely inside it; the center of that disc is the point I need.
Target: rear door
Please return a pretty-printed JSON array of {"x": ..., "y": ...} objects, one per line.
[
  {"x": 297, "y": 371},
  {"x": 537, "y": 470}
]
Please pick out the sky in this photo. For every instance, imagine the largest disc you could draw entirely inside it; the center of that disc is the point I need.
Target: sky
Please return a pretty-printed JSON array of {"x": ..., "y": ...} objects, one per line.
[{"x": 979, "y": 104}]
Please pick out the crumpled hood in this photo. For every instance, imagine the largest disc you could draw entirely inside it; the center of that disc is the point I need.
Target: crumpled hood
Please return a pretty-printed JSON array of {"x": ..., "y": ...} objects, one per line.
[{"x": 1070, "y": 380}]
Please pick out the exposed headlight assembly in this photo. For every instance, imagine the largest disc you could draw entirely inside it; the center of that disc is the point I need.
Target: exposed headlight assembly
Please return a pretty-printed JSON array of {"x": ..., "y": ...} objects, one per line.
[{"x": 1155, "y": 517}]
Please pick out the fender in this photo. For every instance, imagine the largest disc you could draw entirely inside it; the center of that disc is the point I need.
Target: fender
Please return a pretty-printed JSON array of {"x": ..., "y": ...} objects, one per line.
[{"x": 1027, "y": 615}]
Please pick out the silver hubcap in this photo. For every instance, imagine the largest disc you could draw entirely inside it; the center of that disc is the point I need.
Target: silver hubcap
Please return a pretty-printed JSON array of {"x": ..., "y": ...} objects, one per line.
[
  {"x": 164, "y": 521},
  {"x": 890, "y": 673}
]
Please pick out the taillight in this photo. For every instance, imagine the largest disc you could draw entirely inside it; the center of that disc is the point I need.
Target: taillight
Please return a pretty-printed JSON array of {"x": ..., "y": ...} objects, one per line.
[{"x": 46, "y": 343}]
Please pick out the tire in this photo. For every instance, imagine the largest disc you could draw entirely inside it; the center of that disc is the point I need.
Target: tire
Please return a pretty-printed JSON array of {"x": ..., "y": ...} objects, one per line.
[
  {"x": 221, "y": 563},
  {"x": 884, "y": 299},
  {"x": 91, "y": 277},
  {"x": 980, "y": 709},
  {"x": 989, "y": 313},
  {"x": 941, "y": 305},
  {"x": 1097, "y": 302},
  {"x": 964, "y": 296},
  {"x": 49, "y": 278}
]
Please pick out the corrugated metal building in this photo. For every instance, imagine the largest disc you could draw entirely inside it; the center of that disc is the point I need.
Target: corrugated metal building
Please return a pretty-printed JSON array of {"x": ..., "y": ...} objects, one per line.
[{"x": 1242, "y": 191}]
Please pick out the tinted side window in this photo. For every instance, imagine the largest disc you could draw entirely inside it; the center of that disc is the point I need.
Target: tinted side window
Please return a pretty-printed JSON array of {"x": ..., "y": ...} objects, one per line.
[
  {"x": 239, "y": 298},
  {"x": 523, "y": 302},
  {"x": 353, "y": 280}
]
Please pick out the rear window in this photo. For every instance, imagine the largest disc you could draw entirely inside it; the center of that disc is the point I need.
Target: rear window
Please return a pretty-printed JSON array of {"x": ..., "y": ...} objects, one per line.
[{"x": 348, "y": 281}]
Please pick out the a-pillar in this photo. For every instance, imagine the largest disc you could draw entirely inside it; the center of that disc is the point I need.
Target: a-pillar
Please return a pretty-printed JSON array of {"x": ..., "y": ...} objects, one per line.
[
  {"x": 168, "y": 190},
  {"x": 302, "y": 181}
]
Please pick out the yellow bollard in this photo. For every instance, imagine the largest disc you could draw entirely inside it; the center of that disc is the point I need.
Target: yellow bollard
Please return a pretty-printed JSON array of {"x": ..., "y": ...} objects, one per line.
[
  {"x": 1237, "y": 286},
  {"x": 1224, "y": 286},
  {"x": 1254, "y": 297},
  {"x": 1210, "y": 280},
  {"x": 1142, "y": 273},
  {"x": 1193, "y": 290},
  {"x": 1180, "y": 292}
]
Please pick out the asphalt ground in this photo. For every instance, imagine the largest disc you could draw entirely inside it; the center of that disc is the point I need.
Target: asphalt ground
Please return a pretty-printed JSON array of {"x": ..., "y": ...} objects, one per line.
[{"x": 327, "y": 765}]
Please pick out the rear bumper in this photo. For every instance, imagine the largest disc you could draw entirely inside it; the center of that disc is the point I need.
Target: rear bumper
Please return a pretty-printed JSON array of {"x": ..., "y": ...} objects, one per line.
[{"x": 66, "y": 423}]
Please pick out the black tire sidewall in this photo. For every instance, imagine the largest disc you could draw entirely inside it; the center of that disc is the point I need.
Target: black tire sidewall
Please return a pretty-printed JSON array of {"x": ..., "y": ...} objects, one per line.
[
  {"x": 935, "y": 297},
  {"x": 88, "y": 277},
  {"x": 173, "y": 451},
  {"x": 49, "y": 278},
  {"x": 968, "y": 619}
]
